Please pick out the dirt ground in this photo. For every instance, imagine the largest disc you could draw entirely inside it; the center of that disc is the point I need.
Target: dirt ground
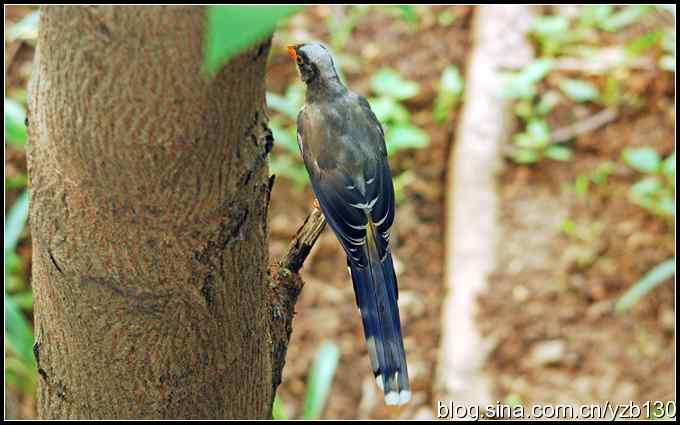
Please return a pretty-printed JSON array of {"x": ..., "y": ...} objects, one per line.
[{"x": 548, "y": 310}]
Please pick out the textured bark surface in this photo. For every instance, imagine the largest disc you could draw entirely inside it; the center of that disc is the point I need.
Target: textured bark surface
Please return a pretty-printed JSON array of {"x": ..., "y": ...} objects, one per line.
[{"x": 148, "y": 208}]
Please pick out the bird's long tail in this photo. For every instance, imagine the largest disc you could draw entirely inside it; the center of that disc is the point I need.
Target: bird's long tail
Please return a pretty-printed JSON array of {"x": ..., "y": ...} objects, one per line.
[{"x": 375, "y": 287}]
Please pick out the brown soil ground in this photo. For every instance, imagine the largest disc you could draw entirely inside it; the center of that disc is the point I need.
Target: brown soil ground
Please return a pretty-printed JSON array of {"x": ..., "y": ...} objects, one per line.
[{"x": 554, "y": 292}]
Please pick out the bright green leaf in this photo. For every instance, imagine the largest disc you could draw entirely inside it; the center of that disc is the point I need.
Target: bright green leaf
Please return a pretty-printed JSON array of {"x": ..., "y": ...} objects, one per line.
[
  {"x": 26, "y": 28},
  {"x": 579, "y": 90},
  {"x": 400, "y": 183},
  {"x": 388, "y": 110},
  {"x": 446, "y": 18},
  {"x": 644, "y": 42},
  {"x": 526, "y": 156},
  {"x": 594, "y": 15},
  {"x": 668, "y": 167},
  {"x": 558, "y": 153},
  {"x": 284, "y": 166},
  {"x": 16, "y": 221},
  {"x": 548, "y": 102},
  {"x": 539, "y": 130},
  {"x": 645, "y": 159},
  {"x": 624, "y": 17},
  {"x": 388, "y": 82},
  {"x": 320, "y": 380},
  {"x": 450, "y": 90},
  {"x": 282, "y": 105},
  {"x": 15, "y": 123},
  {"x": 232, "y": 29},
  {"x": 649, "y": 281},
  {"x": 522, "y": 85},
  {"x": 18, "y": 334},
  {"x": 405, "y": 136},
  {"x": 277, "y": 410}
]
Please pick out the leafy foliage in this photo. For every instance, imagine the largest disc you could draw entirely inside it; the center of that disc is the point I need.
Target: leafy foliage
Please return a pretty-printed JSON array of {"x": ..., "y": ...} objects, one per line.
[
  {"x": 15, "y": 127},
  {"x": 320, "y": 380},
  {"x": 655, "y": 191},
  {"x": 18, "y": 333},
  {"x": 450, "y": 92},
  {"x": 649, "y": 281},
  {"x": 557, "y": 36},
  {"x": 233, "y": 29}
]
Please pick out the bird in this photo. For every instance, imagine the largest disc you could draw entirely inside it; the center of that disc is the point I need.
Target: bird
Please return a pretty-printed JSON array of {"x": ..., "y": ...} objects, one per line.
[{"x": 343, "y": 148}]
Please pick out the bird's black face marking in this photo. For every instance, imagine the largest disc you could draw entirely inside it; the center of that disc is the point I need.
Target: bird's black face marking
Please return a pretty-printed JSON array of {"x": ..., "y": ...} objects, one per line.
[{"x": 308, "y": 70}]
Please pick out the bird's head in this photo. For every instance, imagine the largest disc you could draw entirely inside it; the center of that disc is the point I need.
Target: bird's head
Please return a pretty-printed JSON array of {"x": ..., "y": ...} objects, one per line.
[{"x": 314, "y": 62}]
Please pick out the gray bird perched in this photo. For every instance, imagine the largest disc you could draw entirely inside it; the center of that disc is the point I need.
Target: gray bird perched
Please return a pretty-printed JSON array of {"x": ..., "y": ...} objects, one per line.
[{"x": 343, "y": 147}]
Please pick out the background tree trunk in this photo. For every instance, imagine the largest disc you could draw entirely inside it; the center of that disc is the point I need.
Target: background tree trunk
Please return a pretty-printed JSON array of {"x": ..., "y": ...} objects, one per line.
[{"x": 148, "y": 208}]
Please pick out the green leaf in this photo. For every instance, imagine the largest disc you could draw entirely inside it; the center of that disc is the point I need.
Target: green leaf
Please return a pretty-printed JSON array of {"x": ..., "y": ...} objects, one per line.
[
  {"x": 450, "y": 90},
  {"x": 405, "y": 136},
  {"x": 594, "y": 15},
  {"x": 388, "y": 110},
  {"x": 579, "y": 90},
  {"x": 277, "y": 410},
  {"x": 16, "y": 181},
  {"x": 525, "y": 156},
  {"x": 18, "y": 334},
  {"x": 26, "y": 28},
  {"x": 446, "y": 18},
  {"x": 408, "y": 13},
  {"x": 231, "y": 30},
  {"x": 668, "y": 167},
  {"x": 539, "y": 130},
  {"x": 558, "y": 153},
  {"x": 624, "y": 17},
  {"x": 400, "y": 183},
  {"x": 282, "y": 105},
  {"x": 15, "y": 222},
  {"x": 23, "y": 300},
  {"x": 388, "y": 82},
  {"x": 320, "y": 380},
  {"x": 536, "y": 136},
  {"x": 548, "y": 102},
  {"x": 284, "y": 137},
  {"x": 649, "y": 281},
  {"x": 552, "y": 32},
  {"x": 646, "y": 193},
  {"x": 667, "y": 63},
  {"x": 15, "y": 123},
  {"x": 645, "y": 159},
  {"x": 522, "y": 85},
  {"x": 643, "y": 43},
  {"x": 285, "y": 167}
]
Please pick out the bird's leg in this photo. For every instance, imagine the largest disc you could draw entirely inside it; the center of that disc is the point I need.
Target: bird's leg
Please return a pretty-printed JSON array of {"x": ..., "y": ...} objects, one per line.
[{"x": 316, "y": 204}]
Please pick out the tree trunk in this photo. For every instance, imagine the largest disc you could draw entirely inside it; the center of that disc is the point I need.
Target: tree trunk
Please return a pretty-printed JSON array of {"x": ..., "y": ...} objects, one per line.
[{"x": 148, "y": 207}]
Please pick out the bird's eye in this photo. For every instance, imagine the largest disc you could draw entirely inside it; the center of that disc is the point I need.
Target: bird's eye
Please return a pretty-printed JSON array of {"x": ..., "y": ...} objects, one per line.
[{"x": 299, "y": 60}]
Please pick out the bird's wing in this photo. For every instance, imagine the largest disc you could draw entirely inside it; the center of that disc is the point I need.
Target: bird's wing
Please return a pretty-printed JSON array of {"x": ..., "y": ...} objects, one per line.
[{"x": 349, "y": 199}]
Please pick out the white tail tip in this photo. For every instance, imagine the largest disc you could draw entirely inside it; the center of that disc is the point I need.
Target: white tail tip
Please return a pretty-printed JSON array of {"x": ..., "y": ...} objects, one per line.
[{"x": 393, "y": 398}]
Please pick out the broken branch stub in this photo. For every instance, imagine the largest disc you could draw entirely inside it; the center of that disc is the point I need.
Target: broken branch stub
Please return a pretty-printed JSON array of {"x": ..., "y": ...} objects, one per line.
[{"x": 285, "y": 287}]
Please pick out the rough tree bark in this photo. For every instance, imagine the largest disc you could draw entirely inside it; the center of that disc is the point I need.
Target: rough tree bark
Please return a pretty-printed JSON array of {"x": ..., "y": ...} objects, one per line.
[{"x": 148, "y": 208}]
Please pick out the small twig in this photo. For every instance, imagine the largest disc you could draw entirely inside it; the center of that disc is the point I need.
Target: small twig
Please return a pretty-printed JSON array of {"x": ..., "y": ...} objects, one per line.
[
  {"x": 285, "y": 287},
  {"x": 304, "y": 241},
  {"x": 587, "y": 125}
]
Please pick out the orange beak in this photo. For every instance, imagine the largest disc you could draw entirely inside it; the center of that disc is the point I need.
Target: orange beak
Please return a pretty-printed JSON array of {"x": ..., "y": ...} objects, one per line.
[{"x": 292, "y": 52}]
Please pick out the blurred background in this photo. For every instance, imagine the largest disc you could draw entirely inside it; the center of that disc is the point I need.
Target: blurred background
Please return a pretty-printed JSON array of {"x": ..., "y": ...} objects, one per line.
[{"x": 580, "y": 306}]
